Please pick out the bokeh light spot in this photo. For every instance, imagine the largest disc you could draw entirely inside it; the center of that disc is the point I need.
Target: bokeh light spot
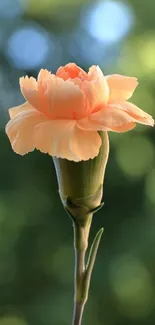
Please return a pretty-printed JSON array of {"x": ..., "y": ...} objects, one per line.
[
  {"x": 10, "y": 9},
  {"x": 139, "y": 50},
  {"x": 28, "y": 47},
  {"x": 146, "y": 54},
  {"x": 108, "y": 21},
  {"x": 135, "y": 155},
  {"x": 132, "y": 286},
  {"x": 80, "y": 41}
]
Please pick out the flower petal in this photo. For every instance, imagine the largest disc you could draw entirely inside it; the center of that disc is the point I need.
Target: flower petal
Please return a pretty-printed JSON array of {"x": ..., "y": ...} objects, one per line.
[
  {"x": 29, "y": 89},
  {"x": 63, "y": 139},
  {"x": 135, "y": 112},
  {"x": 120, "y": 87},
  {"x": 66, "y": 99},
  {"x": 20, "y": 130},
  {"x": 18, "y": 109},
  {"x": 125, "y": 127},
  {"x": 89, "y": 124},
  {"x": 44, "y": 88},
  {"x": 107, "y": 119},
  {"x": 72, "y": 71},
  {"x": 35, "y": 92},
  {"x": 53, "y": 96},
  {"x": 93, "y": 85},
  {"x": 96, "y": 89}
]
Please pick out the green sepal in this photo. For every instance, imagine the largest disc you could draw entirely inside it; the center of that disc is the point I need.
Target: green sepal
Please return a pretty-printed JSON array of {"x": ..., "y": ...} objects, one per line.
[
  {"x": 81, "y": 183},
  {"x": 79, "y": 213}
]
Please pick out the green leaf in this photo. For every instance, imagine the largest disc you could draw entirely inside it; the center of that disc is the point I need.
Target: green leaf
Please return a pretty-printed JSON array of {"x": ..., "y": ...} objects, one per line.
[{"x": 91, "y": 261}]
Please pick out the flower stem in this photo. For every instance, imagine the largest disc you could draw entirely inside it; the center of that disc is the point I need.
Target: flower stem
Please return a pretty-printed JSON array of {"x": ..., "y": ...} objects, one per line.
[
  {"x": 78, "y": 313},
  {"x": 81, "y": 234},
  {"x": 83, "y": 271}
]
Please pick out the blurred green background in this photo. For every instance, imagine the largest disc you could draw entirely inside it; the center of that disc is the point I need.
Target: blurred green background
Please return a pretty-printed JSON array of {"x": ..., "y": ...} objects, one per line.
[{"x": 36, "y": 254}]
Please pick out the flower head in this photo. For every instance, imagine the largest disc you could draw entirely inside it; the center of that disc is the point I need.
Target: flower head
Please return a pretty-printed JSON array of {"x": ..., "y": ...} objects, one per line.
[{"x": 64, "y": 112}]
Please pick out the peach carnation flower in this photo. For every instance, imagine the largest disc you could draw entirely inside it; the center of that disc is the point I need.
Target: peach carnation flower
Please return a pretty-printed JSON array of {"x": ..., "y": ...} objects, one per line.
[{"x": 64, "y": 112}]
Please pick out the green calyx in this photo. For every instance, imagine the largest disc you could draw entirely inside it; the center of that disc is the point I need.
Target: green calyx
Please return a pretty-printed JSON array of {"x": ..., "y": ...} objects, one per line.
[{"x": 81, "y": 183}]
